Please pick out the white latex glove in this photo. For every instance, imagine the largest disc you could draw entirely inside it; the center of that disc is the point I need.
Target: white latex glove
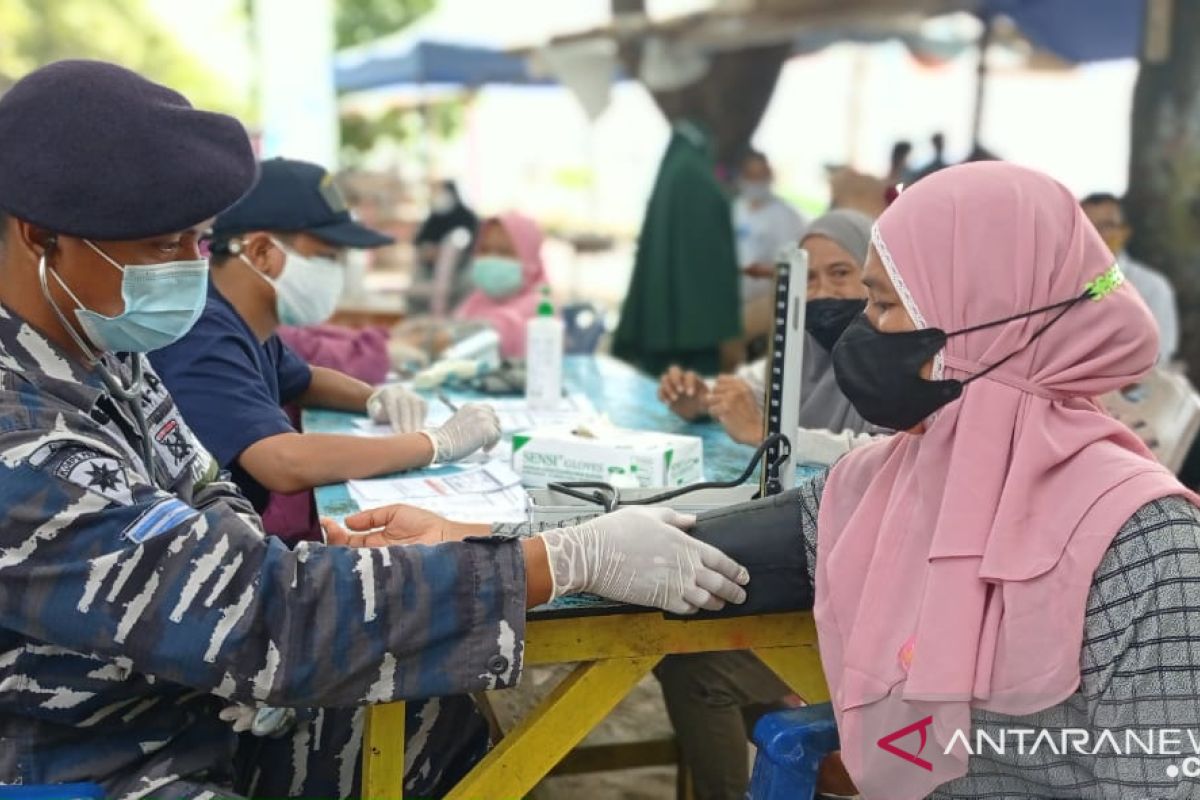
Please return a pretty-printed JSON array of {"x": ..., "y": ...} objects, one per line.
[
  {"x": 397, "y": 406},
  {"x": 642, "y": 556},
  {"x": 472, "y": 427},
  {"x": 819, "y": 446},
  {"x": 259, "y": 720}
]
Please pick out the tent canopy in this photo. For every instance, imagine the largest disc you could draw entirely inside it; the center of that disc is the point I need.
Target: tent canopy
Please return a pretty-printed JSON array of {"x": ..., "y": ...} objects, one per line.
[
  {"x": 428, "y": 62},
  {"x": 1077, "y": 30},
  {"x": 450, "y": 46}
]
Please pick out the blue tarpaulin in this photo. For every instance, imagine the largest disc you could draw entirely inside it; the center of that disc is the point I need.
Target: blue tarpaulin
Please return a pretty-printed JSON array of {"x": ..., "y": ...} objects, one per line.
[
  {"x": 1077, "y": 30},
  {"x": 429, "y": 62}
]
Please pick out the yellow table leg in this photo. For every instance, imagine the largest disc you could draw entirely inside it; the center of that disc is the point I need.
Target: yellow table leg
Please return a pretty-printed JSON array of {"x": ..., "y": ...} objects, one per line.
[
  {"x": 383, "y": 753},
  {"x": 552, "y": 730},
  {"x": 799, "y": 667}
]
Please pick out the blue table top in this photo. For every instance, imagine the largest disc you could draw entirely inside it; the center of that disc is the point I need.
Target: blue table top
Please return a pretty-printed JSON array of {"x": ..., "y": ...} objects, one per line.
[{"x": 628, "y": 397}]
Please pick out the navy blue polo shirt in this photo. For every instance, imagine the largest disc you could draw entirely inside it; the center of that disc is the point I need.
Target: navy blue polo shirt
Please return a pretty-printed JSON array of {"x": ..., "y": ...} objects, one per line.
[{"x": 231, "y": 387}]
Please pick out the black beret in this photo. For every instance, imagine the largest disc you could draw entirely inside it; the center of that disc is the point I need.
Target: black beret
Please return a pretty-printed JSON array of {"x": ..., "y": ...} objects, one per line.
[{"x": 94, "y": 150}]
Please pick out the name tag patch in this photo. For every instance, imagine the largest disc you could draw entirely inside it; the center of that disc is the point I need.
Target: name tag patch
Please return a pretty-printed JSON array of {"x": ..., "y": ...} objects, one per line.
[{"x": 96, "y": 473}]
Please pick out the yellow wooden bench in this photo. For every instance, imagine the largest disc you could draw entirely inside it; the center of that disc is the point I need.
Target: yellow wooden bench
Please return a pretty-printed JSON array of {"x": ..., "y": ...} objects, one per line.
[{"x": 613, "y": 652}]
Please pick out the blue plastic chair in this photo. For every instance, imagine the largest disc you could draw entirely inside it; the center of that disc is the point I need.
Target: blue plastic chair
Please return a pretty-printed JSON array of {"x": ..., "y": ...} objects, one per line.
[
  {"x": 53, "y": 791},
  {"x": 791, "y": 745},
  {"x": 583, "y": 328}
]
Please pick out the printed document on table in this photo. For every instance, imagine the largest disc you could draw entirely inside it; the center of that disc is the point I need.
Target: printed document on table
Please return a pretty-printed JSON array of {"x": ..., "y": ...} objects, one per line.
[
  {"x": 488, "y": 492},
  {"x": 514, "y": 413}
]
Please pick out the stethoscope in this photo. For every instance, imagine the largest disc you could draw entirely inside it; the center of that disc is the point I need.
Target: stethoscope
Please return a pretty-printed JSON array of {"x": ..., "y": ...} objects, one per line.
[
  {"x": 130, "y": 394},
  {"x": 267, "y": 720}
]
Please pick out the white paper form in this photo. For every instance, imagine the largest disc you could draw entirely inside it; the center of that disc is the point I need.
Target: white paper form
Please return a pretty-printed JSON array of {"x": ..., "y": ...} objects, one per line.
[
  {"x": 488, "y": 492},
  {"x": 514, "y": 413}
]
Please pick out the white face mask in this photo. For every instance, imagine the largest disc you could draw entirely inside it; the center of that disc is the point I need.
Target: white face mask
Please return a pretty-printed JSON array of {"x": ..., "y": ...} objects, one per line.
[
  {"x": 755, "y": 191},
  {"x": 308, "y": 289}
]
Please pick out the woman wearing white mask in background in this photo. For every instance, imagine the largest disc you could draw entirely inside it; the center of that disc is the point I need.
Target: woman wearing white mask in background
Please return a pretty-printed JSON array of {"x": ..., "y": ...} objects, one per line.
[{"x": 275, "y": 261}]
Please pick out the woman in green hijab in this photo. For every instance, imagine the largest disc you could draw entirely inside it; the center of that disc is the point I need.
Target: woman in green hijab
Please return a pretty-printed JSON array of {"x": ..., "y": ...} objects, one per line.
[{"x": 684, "y": 297}]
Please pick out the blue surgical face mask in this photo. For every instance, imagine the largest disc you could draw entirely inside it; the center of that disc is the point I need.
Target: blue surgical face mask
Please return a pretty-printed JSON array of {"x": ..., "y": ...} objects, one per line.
[
  {"x": 162, "y": 303},
  {"x": 497, "y": 276}
]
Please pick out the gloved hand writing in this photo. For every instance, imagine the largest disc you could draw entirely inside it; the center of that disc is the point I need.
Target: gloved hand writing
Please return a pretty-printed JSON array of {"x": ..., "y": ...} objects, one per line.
[
  {"x": 641, "y": 556},
  {"x": 472, "y": 427},
  {"x": 397, "y": 406}
]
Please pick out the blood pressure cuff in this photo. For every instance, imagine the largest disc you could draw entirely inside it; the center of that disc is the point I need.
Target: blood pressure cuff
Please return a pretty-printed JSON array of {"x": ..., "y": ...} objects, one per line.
[{"x": 766, "y": 538}]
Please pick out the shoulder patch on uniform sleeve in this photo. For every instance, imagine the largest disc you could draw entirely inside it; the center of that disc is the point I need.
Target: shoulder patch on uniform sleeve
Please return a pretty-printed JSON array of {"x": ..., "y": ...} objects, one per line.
[
  {"x": 96, "y": 473},
  {"x": 158, "y": 519}
]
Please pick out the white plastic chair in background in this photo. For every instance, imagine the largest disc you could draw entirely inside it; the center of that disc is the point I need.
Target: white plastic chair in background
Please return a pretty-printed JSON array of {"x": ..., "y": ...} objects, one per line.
[{"x": 1163, "y": 410}]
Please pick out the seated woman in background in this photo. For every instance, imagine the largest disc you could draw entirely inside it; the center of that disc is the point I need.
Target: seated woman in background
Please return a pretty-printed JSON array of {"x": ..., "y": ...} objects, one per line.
[
  {"x": 709, "y": 695},
  {"x": 836, "y": 244},
  {"x": 361, "y": 353},
  {"x": 507, "y": 273}
]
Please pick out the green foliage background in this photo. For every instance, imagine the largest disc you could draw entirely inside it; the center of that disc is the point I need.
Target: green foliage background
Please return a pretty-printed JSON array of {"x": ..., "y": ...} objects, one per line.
[
  {"x": 362, "y": 21},
  {"x": 36, "y": 32}
]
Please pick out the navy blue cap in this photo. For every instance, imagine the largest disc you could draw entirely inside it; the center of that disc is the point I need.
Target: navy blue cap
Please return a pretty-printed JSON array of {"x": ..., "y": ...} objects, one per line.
[
  {"x": 297, "y": 197},
  {"x": 94, "y": 150}
]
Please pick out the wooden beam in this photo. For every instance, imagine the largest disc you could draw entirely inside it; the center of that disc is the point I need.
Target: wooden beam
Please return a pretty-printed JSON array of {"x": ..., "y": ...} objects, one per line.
[{"x": 620, "y": 755}]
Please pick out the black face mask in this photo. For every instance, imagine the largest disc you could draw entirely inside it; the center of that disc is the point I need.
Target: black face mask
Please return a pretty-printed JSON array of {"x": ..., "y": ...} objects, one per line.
[
  {"x": 880, "y": 373},
  {"x": 828, "y": 317}
]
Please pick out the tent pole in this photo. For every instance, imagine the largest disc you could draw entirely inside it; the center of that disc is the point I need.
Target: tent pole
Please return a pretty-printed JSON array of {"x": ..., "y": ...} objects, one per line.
[
  {"x": 981, "y": 76},
  {"x": 854, "y": 107},
  {"x": 426, "y": 135}
]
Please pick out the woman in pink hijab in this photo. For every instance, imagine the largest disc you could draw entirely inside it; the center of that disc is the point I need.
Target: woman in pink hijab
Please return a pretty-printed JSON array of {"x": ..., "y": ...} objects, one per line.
[
  {"x": 507, "y": 273},
  {"x": 1015, "y": 561}
]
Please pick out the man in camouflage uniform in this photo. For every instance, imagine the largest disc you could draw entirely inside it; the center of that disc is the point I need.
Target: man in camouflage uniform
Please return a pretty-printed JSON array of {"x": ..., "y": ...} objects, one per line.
[
  {"x": 139, "y": 599},
  {"x": 134, "y": 597},
  {"x": 166, "y": 584}
]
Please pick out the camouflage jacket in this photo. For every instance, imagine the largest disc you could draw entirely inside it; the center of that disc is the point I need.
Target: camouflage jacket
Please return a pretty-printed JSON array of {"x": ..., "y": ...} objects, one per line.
[{"x": 131, "y": 603}]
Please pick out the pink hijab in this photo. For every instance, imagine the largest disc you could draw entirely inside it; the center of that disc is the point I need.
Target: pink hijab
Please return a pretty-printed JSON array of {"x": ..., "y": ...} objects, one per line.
[
  {"x": 953, "y": 566},
  {"x": 508, "y": 316}
]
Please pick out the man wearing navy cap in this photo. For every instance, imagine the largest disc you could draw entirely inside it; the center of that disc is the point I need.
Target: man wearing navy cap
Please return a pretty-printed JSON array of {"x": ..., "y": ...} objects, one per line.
[
  {"x": 276, "y": 259},
  {"x": 138, "y": 594}
]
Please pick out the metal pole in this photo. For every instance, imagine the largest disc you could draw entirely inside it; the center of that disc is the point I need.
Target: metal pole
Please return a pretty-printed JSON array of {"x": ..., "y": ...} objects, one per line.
[{"x": 981, "y": 74}]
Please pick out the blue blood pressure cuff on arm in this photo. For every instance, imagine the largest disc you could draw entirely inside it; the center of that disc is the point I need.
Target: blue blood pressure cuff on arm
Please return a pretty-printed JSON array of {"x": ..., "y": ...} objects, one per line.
[{"x": 766, "y": 537}]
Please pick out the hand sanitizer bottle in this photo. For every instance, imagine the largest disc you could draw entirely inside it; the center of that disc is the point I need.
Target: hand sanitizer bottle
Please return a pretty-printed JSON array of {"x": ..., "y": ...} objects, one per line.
[{"x": 544, "y": 357}]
